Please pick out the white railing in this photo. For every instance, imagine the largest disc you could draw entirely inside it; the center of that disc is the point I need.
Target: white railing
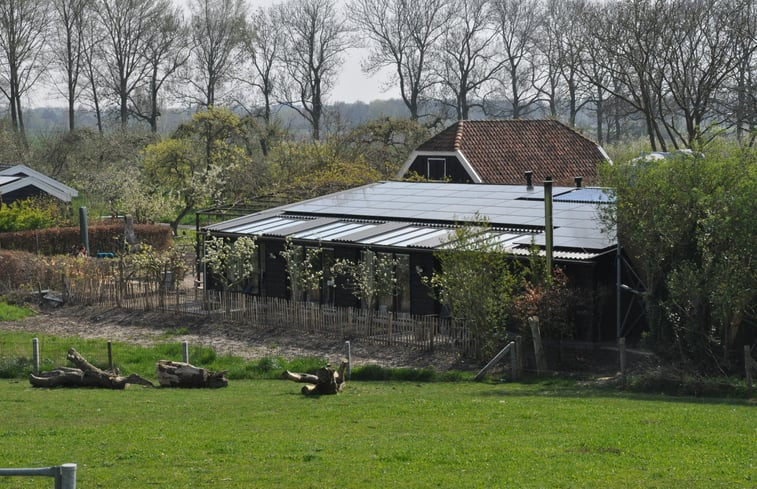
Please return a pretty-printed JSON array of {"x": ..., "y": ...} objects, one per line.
[{"x": 64, "y": 475}]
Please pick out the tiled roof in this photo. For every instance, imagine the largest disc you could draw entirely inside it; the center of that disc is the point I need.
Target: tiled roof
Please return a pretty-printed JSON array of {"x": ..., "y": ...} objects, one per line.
[{"x": 500, "y": 151}]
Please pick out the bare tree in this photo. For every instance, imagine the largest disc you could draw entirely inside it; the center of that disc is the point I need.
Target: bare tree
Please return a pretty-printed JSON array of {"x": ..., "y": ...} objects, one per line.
[
  {"x": 737, "y": 98},
  {"x": 68, "y": 48},
  {"x": 93, "y": 38},
  {"x": 127, "y": 26},
  {"x": 218, "y": 31},
  {"x": 403, "y": 36},
  {"x": 468, "y": 58},
  {"x": 518, "y": 24},
  {"x": 313, "y": 44},
  {"x": 697, "y": 58},
  {"x": 23, "y": 28},
  {"x": 624, "y": 43},
  {"x": 166, "y": 52},
  {"x": 262, "y": 72},
  {"x": 561, "y": 44}
]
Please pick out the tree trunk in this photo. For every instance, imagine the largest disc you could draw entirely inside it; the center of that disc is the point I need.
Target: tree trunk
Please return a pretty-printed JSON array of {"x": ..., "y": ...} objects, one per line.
[
  {"x": 178, "y": 374},
  {"x": 85, "y": 375},
  {"x": 325, "y": 381}
]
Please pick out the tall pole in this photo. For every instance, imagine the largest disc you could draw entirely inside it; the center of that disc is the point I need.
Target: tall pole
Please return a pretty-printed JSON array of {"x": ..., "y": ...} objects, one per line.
[
  {"x": 84, "y": 228},
  {"x": 548, "y": 222}
]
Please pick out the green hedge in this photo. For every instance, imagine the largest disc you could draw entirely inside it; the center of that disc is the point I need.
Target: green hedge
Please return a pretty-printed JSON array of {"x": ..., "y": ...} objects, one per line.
[{"x": 102, "y": 238}]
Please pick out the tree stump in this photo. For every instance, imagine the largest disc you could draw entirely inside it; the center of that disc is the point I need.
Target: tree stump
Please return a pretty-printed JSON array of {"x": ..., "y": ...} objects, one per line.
[
  {"x": 179, "y": 374},
  {"x": 325, "y": 381},
  {"x": 85, "y": 375}
]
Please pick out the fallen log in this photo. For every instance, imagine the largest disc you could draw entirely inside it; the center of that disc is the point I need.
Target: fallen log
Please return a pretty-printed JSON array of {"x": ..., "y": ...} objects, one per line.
[
  {"x": 325, "y": 381},
  {"x": 179, "y": 374},
  {"x": 85, "y": 375}
]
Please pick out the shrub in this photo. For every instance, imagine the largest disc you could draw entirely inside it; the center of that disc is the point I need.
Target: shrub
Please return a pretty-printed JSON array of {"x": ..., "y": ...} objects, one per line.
[{"x": 32, "y": 213}]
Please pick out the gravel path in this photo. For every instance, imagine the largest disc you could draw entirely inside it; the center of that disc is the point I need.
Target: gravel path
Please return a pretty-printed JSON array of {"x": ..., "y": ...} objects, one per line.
[{"x": 146, "y": 328}]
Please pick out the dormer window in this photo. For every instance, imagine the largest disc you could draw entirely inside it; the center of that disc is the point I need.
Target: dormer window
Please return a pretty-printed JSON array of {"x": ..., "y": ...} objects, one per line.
[{"x": 436, "y": 168}]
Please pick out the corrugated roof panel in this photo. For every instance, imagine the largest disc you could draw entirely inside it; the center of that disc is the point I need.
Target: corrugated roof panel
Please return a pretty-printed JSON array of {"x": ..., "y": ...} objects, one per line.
[
  {"x": 407, "y": 238},
  {"x": 388, "y": 236},
  {"x": 261, "y": 227},
  {"x": 329, "y": 231}
]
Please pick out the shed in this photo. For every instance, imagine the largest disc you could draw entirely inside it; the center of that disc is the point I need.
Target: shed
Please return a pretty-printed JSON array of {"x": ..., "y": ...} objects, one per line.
[
  {"x": 411, "y": 220},
  {"x": 20, "y": 182}
]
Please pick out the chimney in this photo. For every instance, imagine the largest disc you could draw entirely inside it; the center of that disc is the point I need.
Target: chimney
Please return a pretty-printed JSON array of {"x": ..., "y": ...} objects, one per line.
[
  {"x": 578, "y": 181},
  {"x": 529, "y": 183}
]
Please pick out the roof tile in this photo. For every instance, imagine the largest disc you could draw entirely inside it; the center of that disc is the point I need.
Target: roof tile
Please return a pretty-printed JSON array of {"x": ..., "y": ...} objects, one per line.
[{"x": 500, "y": 151}]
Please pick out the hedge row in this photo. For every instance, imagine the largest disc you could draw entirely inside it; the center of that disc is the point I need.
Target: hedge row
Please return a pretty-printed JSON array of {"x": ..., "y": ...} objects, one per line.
[{"x": 102, "y": 238}]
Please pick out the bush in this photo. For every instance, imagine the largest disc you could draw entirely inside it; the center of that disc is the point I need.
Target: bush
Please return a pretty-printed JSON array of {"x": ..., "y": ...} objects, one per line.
[
  {"x": 20, "y": 269},
  {"x": 32, "y": 213}
]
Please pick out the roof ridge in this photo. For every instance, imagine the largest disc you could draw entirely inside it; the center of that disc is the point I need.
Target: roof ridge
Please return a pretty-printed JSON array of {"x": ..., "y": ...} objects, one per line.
[{"x": 458, "y": 135}]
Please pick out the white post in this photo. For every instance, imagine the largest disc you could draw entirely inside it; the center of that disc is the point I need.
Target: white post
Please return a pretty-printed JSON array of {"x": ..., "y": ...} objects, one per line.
[
  {"x": 348, "y": 352},
  {"x": 35, "y": 355},
  {"x": 68, "y": 476},
  {"x": 185, "y": 351}
]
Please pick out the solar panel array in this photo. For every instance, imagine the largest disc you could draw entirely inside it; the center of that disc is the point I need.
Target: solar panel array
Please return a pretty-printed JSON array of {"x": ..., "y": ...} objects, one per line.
[{"x": 423, "y": 215}]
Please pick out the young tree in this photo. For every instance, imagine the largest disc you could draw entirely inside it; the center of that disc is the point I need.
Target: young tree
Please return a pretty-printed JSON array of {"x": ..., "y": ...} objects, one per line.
[
  {"x": 403, "y": 36},
  {"x": 476, "y": 282},
  {"x": 231, "y": 263},
  {"x": 311, "y": 55},
  {"x": 200, "y": 164},
  {"x": 371, "y": 279},
  {"x": 218, "y": 31},
  {"x": 688, "y": 226},
  {"x": 304, "y": 269},
  {"x": 24, "y": 25}
]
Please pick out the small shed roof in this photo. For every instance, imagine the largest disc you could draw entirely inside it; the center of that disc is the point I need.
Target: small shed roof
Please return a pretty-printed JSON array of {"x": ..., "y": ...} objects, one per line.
[
  {"x": 14, "y": 178},
  {"x": 416, "y": 215}
]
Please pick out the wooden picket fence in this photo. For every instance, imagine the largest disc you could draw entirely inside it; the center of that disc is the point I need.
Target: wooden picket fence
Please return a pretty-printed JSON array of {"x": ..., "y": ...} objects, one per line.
[{"x": 347, "y": 323}]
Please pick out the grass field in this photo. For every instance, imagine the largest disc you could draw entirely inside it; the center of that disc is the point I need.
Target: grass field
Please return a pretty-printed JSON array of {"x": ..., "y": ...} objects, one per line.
[{"x": 265, "y": 434}]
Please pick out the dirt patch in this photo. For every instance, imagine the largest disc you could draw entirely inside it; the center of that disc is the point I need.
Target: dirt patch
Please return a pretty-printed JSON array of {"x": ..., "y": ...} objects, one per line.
[{"x": 147, "y": 328}]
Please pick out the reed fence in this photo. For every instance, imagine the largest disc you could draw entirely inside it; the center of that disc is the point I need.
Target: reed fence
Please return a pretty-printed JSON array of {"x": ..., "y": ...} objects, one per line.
[{"x": 375, "y": 327}]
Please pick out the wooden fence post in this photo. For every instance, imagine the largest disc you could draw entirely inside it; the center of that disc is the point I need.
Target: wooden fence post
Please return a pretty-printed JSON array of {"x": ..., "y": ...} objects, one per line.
[
  {"x": 110, "y": 356},
  {"x": 185, "y": 351},
  {"x": 389, "y": 328},
  {"x": 348, "y": 351},
  {"x": 35, "y": 355},
  {"x": 541, "y": 358}
]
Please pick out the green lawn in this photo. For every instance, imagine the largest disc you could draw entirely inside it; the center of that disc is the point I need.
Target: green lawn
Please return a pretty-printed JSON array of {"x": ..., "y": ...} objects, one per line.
[{"x": 265, "y": 434}]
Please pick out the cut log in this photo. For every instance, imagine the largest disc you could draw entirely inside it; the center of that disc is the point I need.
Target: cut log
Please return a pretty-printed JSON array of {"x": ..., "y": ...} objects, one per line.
[
  {"x": 325, "y": 381},
  {"x": 85, "y": 375},
  {"x": 179, "y": 374}
]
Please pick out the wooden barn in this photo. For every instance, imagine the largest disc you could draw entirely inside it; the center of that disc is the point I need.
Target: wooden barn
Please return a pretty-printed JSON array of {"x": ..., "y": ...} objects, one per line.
[{"x": 412, "y": 220}]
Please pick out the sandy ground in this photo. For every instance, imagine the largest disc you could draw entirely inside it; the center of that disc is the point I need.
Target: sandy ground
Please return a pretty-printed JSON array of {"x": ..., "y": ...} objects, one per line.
[{"x": 145, "y": 328}]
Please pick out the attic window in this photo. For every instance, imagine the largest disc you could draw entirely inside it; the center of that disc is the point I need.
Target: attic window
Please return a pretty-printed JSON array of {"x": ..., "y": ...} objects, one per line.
[{"x": 436, "y": 168}]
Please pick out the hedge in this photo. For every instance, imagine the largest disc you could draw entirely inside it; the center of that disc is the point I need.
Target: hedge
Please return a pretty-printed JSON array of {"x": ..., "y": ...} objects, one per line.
[{"x": 102, "y": 238}]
